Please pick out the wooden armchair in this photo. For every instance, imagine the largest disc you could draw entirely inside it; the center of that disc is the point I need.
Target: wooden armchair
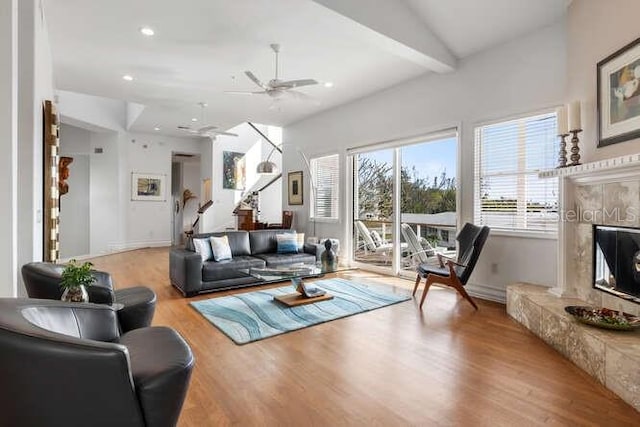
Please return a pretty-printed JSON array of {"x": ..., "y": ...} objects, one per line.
[{"x": 455, "y": 273}]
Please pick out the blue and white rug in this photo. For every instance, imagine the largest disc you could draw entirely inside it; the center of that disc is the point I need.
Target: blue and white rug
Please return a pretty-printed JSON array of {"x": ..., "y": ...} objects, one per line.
[{"x": 255, "y": 315}]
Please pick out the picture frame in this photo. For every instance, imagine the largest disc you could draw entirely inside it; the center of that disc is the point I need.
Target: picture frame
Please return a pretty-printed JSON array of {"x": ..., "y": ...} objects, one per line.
[
  {"x": 295, "y": 188},
  {"x": 234, "y": 175},
  {"x": 148, "y": 187},
  {"x": 618, "y": 95}
]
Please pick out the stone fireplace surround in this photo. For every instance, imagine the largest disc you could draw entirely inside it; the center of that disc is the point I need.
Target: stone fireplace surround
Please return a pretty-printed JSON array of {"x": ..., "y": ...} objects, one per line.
[{"x": 606, "y": 192}]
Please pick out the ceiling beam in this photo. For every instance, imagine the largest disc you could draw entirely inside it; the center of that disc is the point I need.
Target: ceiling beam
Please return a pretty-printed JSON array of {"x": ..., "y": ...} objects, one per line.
[{"x": 392, "y": 25}]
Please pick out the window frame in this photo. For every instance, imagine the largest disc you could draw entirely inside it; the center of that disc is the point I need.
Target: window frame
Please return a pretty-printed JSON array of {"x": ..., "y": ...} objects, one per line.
[{"x": 510, "y": 232}]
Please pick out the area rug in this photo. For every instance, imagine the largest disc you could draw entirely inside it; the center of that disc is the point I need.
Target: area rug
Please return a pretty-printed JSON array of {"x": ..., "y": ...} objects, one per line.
[{"x": 255, "y": 316}]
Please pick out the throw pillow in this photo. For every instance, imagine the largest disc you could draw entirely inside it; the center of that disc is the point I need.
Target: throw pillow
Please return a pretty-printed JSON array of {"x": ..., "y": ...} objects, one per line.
[
  {"x": 203, "y": 247},
  {"x": 287, "y": 243},
  {"x": 377, "y": 240},
  {"x": 220, "y": 247},
  {"x": 300, "y": 241}
]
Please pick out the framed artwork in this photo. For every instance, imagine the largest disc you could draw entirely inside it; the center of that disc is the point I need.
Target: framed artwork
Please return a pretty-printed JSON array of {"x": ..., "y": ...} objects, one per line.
[
  {"x": 233, "y": 170},
  {"x": 619, "y": 96},
  {"x": 295, "y": 188},
  {"x": 148, "y": 187}
]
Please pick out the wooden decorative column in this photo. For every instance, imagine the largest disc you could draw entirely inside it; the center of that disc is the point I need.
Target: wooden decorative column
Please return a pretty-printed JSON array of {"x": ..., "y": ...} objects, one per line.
[{"x": 51, "y": 215}]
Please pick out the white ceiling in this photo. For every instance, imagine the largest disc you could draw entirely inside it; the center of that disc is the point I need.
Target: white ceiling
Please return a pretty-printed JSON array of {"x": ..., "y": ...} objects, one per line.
[{"x": 202, "y": 47}]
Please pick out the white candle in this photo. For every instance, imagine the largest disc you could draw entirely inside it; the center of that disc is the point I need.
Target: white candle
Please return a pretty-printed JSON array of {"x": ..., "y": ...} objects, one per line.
[
  {"x": 563, "y": 123},
  {"x": 574, "y": 116}
]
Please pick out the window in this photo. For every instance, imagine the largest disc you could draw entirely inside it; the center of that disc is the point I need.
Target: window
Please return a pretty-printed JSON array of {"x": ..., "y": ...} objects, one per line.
[
  {"x": 509, "y": 195},
  {"x": 324, "y": 194}
]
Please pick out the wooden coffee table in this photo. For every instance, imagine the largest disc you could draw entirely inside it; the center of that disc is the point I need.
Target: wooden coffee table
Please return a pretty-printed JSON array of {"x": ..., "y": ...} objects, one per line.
[
  {"x": 299, "y": 298},
  {"x": 296, "y": 273}
]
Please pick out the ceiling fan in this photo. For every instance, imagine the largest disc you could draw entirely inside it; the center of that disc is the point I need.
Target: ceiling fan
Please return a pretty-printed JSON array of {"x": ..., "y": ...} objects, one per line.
[
  {"x": 275, "y": 87},
  {"x": 205, "y": 131}
]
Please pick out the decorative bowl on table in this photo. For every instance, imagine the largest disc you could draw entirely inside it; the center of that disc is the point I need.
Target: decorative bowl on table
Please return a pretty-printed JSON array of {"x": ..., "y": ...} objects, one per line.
[{"x": 604, "y": 317}]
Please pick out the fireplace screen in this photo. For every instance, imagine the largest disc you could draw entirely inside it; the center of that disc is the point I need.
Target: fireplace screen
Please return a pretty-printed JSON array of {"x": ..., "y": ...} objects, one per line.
[{"x": 616, "y": 261}]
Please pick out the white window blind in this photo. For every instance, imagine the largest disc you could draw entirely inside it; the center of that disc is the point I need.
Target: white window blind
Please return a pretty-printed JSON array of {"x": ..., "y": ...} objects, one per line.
[
  {"x": 508, "y": 157},
  {"x": 324, "y": 197}
]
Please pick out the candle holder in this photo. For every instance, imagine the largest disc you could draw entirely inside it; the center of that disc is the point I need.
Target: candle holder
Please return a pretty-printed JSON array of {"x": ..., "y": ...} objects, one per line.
[
  {"x": 575, "y": 150},
  {"x": 562, "y": 157}
]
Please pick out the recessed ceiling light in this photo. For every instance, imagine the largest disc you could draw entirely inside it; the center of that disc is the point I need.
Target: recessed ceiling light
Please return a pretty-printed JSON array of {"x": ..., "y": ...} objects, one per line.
[
  {"x": 156, "y": 128},
  {"x": 328, "y": 84},
  {"x": 147, "y": 31},
  {"x": 127, "y": 77},
  {"x": 194, "y": 119}
]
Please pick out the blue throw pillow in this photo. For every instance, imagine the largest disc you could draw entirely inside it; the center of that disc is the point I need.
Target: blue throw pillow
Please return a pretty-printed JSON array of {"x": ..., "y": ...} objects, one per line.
[{"x": 287, "y": 243}]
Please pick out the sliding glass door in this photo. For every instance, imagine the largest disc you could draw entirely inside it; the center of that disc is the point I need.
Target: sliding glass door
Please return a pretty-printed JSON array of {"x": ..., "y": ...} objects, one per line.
[
  {"x": 374, "y": 208},
  {"x": 405, "y": 203}
]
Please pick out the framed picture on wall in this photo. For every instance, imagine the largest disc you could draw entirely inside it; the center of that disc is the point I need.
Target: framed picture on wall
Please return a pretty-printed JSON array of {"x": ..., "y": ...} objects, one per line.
[
  {"x": 295, "y": 188},
  {"x": 148, "y": 187},
  {"x": 619, "y": 96},
  {"x": 233, "y": 170}
]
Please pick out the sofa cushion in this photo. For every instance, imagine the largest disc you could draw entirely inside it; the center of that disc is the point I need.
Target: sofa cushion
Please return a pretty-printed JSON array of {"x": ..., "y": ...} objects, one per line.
[
  {"x": 265, "y": 241},
  {"x": 228, "y": 269},
  {"x": 220, "y": 248},
  {"x": 274, "y": 260}
]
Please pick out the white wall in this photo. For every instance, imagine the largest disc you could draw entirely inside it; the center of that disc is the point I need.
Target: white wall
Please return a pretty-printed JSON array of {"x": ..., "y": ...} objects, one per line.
[
  {"x": 220, "y": 215},
  {"x": 74, "y": 206},
  {"x": 522, "y": 76},
  {"x": 148, "y": 223},
  {"x": 595, "y": 30},
  {"x": 8, "y": 141}
]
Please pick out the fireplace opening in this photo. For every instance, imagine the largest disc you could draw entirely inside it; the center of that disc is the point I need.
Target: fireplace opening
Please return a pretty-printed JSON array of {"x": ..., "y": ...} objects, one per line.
[{"x": 616, "y": 261}]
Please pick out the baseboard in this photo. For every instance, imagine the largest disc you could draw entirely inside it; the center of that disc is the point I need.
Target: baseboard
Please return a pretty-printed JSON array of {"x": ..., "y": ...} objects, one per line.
[
  {"x": 488, "y": 292},
  {"x": 115, "y": 248},
  {"x": 127, "y": 246}
]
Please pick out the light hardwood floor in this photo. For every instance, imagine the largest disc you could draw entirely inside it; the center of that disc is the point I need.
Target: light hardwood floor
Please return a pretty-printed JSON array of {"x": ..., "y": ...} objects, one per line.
[{"x": 445, "y": 365}]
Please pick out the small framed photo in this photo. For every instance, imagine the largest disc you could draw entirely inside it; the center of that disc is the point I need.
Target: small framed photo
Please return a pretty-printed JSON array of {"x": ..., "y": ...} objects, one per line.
[
  {"x": 148, "y": 187},
  {"x": 295, "y": 188},
  {"x": 619, "y": 96}
]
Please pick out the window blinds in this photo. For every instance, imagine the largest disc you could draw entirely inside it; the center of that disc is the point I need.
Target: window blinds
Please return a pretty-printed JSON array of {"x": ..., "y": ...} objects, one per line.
[
  {"x": 325, "y": 176},
  {"x": 509, "y": 195}
]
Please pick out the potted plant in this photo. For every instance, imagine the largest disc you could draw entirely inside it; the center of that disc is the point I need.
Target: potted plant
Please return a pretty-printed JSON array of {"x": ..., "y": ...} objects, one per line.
[{"x": 75, "y": 279}]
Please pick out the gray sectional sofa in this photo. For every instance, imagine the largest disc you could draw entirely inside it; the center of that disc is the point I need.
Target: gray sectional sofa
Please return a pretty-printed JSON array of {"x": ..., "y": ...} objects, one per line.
[{"x": 249, "y": 249}]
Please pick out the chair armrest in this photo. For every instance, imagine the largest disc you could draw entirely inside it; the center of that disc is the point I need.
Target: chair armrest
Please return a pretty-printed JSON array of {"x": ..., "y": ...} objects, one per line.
[
  {"x": 161, "y": 377},
  {"x": 313, "y": 249},
  {"x": 185, "y": 270}
]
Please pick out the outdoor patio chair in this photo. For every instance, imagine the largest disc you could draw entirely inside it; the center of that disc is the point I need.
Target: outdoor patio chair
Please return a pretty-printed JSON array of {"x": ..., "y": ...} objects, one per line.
[{"x": 375, "y": 245}]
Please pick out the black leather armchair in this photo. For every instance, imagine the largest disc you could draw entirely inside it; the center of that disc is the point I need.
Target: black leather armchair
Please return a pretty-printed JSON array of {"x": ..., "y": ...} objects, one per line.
[
  {"x": 67, "y": 364},
  {"x": 42, "y": 280}
]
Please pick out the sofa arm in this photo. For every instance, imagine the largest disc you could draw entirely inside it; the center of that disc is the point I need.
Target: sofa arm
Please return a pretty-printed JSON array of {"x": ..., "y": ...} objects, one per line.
[
  {"x": 315, "y": 249},
  {"x": 185, "y": 271}
]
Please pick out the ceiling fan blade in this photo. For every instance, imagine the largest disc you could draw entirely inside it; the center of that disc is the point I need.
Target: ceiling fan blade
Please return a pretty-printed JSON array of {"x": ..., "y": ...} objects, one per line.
[
  {"x": 224, "y": 133},
  {"x": 296, "y": 83},
  {"x": 240, "y": 92},
  {"x": 254, "y": 79},
  {"x": 207, "y": 128}
]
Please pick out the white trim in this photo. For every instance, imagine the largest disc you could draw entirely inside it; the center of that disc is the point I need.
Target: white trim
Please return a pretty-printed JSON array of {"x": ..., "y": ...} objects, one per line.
[
  {"x": 440, "y": 133},
  {"x": 487, "y": 292},
  {"x": 513, "y": 117},
  {"x": 127, "y": 246}
]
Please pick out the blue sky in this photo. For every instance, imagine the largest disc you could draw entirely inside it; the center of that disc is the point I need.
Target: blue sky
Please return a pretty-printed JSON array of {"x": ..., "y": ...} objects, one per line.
[{"x": 430, "y": 159}]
